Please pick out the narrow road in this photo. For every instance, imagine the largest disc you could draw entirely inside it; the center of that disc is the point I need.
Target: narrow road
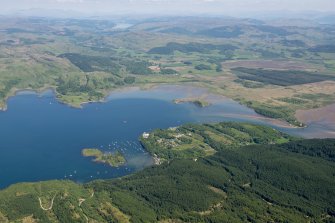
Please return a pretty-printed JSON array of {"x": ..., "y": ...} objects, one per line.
[
  {"x": 51, "y": 205},
  {"x": 81, "y": 201}
]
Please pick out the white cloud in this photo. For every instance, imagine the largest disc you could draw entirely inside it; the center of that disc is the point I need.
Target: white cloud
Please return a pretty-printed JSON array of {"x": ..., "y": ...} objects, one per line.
[{"x": 176, "y": 6}]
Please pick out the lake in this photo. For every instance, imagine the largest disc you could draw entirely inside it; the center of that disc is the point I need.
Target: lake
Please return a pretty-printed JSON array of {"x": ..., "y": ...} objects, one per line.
[{"x": 42, "y": 139}]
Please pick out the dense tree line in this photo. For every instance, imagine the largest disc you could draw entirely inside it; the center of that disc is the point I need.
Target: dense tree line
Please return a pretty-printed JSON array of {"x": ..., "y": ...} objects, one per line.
[
  {"x": 8, "y": 85},
  {"x": 280, "y": 77},
  {"x": 222, "y": 32},
  {"x": 262, "y": 184},
  {"x": 168, "y": 71},
  {"x": 277, "y": 112},
  {"x": 291, "y": 182},
  {"x": 182, "y": 143},
  {"x": 191, "y": 48},
  {"x": 112, "y": 65},
  {"x": 316, "y": 148},
  {"x": 203, "y": 67}
]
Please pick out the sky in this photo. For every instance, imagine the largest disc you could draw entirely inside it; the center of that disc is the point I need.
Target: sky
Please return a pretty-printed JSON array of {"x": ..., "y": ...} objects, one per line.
[{"x": 168, "y": 6}]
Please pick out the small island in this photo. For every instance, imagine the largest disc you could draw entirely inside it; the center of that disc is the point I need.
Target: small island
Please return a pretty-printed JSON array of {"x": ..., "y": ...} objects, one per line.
[
  {"x": 115, "y": 160},
  {"x": 198, "y": 102}
]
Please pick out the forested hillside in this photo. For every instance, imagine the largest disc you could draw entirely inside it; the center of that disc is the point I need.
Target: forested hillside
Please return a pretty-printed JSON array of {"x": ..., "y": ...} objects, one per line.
[{"x": 286, "y": 182}]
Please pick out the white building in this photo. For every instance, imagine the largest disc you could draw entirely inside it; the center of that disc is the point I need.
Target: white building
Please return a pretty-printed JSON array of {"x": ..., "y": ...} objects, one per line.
[{"x": 145, "y": 135}]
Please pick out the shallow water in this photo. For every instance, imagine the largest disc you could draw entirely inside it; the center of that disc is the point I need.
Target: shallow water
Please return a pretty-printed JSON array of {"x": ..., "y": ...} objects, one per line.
[{"x": 42, "y": 139}]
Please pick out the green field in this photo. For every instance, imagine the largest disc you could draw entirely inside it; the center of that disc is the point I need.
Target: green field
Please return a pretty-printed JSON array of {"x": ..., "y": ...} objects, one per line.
[
  {"x": 84, "y": 63},
  {"x": 193, "y": 141}
]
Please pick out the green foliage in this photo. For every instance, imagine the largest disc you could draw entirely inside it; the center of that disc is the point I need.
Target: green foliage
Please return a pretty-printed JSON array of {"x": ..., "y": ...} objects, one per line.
[
  {"x": 293, "y": 100},
  {"x": 108, "y": 64},
  {"x": 129, "y": 80},
  {"x": 22, "y": 206},
  {"x": 93, "y": 63},
  {"x": 316, "y": 148},
  {"x": 203, "y": 67},
  {"x": 280, "y": 77},
  {"x": 113, "y": 159},
  {"x": 109, "y": 57},
  {"x": 193, "y": 141},
  {"x": 223, "y": 32},
  {"x": 290, "y": 182},
  {"x": 8, "y": 86},
  {"x": 72, "y": 85},
  {"x": 284, "y": 178},
  {"x": 315, "y": 100},
  {"x": 277, "y": 112},
  {"x": 218, "y": 67},
  {"x": 190, "y": 48},
  {"x": 168, "y": 71},
  {"x": 257, "y": 183},
  {"x": 137, "y": 67},
  {"x": 22, "y": 200}
]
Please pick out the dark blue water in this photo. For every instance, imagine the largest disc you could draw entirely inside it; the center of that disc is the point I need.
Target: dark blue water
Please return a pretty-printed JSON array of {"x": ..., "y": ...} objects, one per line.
[{"x": 42, "y": 139}]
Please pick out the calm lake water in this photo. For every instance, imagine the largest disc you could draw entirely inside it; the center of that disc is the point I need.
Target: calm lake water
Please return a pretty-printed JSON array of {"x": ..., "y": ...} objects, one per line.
[{"x": 42, "y": 139}]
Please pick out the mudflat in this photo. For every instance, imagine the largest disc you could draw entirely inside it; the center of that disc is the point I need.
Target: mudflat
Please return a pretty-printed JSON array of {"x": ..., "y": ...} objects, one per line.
[{"x": 323, "y": 115}]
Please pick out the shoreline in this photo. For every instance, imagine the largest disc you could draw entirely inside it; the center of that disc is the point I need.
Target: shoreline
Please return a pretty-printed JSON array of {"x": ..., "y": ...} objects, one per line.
[
  {"x": 276, "y": 122},
  {"x": 191, "y": 92},
  {"x": 186, "y": 90},
  {"x": 39, "y": 92},
  {"x": 15, "y": 92}
]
